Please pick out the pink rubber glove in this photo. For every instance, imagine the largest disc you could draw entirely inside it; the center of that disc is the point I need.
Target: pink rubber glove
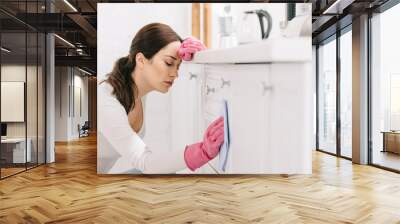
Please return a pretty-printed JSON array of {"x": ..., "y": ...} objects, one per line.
[
  {"x": 188, "y": 47},
  {"x": 196, "y": 155}
]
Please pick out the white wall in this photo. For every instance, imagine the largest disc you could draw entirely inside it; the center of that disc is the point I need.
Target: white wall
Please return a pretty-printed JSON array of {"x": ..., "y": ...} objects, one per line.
[
  {"x": 61, "y": 103},
  {"x": 117, "y": 26},
  {"x": 66, "y": 121},
  {"x": 80, "y": 82}
]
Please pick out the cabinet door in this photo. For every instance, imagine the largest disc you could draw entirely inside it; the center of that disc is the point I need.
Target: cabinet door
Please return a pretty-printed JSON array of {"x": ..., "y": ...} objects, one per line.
[
  {"x": 243, "y": 88},
  {"x": 270, "y": 116},
  {"x": 247, "y": 118},
  {"x": 290, "y": 121},
  {"x": 216, "y": 88},
  {"x": 184, "y": 106}
]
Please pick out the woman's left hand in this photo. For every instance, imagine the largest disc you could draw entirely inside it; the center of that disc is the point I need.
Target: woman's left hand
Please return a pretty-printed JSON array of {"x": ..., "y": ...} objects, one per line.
[{"x": 190, "y": 46}]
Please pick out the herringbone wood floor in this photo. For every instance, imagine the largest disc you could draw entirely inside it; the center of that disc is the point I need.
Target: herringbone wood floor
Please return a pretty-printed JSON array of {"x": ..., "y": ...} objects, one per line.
[{"x": 70, "y": 191}]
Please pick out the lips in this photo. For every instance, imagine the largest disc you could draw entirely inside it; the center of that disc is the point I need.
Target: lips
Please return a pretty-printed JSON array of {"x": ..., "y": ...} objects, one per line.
[{"x": 169, "y": 83}]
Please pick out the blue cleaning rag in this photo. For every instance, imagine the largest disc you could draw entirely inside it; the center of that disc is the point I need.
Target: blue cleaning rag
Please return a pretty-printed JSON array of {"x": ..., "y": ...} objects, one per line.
[{"x": 224, "y": 150}]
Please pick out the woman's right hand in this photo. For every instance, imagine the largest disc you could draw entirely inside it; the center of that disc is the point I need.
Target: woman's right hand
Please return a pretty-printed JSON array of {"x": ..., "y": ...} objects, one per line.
[
  {"x": 196, "y": 155},
  {"x": 189, "y": 47},
  {"x": 214, "y": 137}
]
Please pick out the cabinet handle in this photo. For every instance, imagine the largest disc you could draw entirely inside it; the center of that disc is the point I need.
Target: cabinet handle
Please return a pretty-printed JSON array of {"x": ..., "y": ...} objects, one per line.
[
  {"x": 209, "y": 89},
  {"x": 225, "y": 83},
  {"x": 192, "y": 76},
  {"x": 266, "y": 87}
]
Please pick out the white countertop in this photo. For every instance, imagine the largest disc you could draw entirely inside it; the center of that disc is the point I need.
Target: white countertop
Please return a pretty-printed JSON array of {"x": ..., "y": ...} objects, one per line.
[{"x": 266, "y": 51}]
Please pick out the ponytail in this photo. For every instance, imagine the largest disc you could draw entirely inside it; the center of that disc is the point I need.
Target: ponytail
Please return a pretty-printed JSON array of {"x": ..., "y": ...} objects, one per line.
[{"x": 124, "y": 87}]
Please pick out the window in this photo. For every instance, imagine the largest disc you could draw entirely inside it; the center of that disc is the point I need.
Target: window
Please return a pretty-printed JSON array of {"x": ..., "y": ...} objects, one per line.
[
  {"x": 23, "y": 79},
  {"x": 346, "y": 93},
  {"x": 385, "y": 89},
  {"x": 327, "y": 97}
]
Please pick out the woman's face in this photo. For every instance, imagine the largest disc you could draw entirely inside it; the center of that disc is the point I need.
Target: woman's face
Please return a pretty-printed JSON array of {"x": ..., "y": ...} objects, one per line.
[{"x": 161, "y": 71}]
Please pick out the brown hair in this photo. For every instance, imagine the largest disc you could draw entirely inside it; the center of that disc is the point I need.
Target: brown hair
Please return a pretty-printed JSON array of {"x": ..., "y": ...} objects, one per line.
[{"x": 148, "y": 40}]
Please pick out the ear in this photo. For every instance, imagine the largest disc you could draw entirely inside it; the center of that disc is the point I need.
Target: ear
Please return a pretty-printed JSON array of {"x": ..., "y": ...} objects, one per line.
[{"x": 140, "y": 59}]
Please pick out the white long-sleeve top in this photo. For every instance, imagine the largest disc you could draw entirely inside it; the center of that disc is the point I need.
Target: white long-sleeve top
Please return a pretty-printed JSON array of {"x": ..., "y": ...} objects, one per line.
[{"x": 120, "y": 149}]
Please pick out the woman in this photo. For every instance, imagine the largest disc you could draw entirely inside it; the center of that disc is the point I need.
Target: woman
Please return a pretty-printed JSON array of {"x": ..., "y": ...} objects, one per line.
[{"x": 152, "y": 65}]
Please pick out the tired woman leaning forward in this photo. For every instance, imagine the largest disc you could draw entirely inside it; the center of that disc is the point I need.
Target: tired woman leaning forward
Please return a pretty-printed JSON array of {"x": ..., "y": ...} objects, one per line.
[{"x": 152, "y": 64}]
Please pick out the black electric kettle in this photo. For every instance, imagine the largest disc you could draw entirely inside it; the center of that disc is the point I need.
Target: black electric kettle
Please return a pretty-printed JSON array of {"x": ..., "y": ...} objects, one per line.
[{"x": 265, "y": 21}]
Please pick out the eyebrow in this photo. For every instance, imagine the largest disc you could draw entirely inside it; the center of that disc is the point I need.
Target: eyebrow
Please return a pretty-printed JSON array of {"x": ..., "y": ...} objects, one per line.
[{"x": 171, "y": 57}]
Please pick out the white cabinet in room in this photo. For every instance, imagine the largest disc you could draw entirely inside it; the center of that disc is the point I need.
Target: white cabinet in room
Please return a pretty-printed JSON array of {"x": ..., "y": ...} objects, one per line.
[
  {"x": 185, "y": 113},
  {"x": 247, "y": 118},
  {"x": 270, "y": 106},
  {"x": 270, "y": 114},
  {"x": 241, "y": 86},
  {"x": 290, "y": 124}
]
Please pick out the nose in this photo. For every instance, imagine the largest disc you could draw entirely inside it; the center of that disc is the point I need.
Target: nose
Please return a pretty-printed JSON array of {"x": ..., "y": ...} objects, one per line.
[{"x": 174, "y": 74}]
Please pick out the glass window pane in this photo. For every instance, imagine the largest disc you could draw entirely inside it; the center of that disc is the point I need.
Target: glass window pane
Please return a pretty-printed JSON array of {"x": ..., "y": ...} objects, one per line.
[
  {"x": 41, "y": 98},
  {"x": 23, "y": 87},
  {"x": 31, "y": 97},
  {"x": 13, "y": 86},
  {"x": 346, "y": 94},
  {"x": 327, "y": 97},
  {"x": 385, "y": 83}
]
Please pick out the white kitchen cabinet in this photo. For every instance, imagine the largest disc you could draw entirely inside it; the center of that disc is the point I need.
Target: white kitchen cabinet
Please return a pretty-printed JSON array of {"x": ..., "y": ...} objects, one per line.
[
  {"x": 270, "y": 109},
  {"x": 242, "y": 87},
  {"x": 291, "y": 118},
  {"x": 247, "y": 116}
]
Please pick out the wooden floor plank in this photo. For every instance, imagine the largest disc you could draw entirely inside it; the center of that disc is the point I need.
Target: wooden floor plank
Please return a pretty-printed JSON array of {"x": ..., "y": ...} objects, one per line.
[{"x": 70, "y": 191}]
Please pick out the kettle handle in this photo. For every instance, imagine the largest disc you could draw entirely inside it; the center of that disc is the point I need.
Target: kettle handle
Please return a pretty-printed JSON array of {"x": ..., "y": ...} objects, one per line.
[{"x": 262, "y": 13}]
